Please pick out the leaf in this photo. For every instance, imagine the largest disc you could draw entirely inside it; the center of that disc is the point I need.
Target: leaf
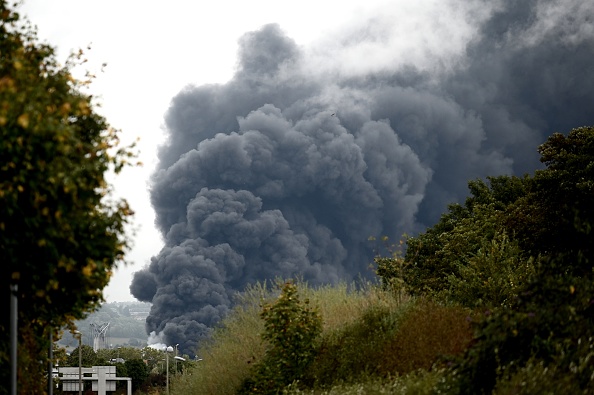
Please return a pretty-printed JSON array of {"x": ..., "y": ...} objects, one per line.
[{"x": 23, "y": 121}]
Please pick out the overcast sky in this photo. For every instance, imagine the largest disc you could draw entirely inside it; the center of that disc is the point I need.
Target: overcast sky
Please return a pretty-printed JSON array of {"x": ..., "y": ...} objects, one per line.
[{"x": 153, "y": 49}]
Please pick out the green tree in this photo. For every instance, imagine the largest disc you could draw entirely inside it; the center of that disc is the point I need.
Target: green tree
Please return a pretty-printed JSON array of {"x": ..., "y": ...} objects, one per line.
[
  {"x": 88, "y": 357},
  {"x": 492, "y": 277},
  {"x": 443, "y": 255},
  {"x": 551, "y": 324},
  {"x": 61, "y": 230},
  {"x": 291, "y": 328},
  {"x": 519, "y": 249},
  {"x": 125, "y": 353},
  {"x": 556, "y": 216},
  {"x": 138, "y": 371}
]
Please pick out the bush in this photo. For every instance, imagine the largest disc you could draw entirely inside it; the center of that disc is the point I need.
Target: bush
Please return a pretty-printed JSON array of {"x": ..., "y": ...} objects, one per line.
[
  {"x": 552, "y": 322},
  {"x": 356, "y": 349},
  {"x": 536, "y": 377},
  {"x": 389, "y": 341},
  {"x": 429, "y": 334}
]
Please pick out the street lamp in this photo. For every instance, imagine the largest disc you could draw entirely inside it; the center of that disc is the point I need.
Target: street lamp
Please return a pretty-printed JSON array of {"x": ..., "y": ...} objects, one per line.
[
  {"x": 176, "y": 358},
  {"x": 168, "y": 349},
  {"x": 79, "y": 335}
]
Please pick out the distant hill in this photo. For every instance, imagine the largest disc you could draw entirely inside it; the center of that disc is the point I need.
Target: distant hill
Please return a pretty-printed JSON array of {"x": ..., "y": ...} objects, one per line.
[{"x": 120, "y": 324}]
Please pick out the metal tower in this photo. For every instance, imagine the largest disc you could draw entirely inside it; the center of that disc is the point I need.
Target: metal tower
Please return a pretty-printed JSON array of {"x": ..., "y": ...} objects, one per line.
[{"x": 100, "y": 336}]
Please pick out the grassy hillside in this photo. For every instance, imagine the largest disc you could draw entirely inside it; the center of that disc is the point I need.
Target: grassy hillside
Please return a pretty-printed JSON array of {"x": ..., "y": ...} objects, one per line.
[{"x": 371, "y": 342}]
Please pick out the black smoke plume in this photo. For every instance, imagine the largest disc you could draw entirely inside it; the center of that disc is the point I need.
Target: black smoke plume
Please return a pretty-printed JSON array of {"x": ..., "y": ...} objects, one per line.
[{"x": 287, "y": 169}]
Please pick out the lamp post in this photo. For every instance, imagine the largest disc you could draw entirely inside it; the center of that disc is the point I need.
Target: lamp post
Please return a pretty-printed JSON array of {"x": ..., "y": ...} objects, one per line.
[
  {"x": 79, "y": 335},
  {"x": 14, "y": 315},
  {"x": 176, "y": 358},
  {"x": 50, "y": 368},
  {"x": 168, "y": 349}
]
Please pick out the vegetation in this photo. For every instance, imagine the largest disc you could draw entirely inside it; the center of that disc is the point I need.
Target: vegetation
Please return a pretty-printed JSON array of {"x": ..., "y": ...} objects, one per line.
[
  {"x": 496, "y": 298},
  {"x": 61, "y": 232},
  {"x": 367, "y": 336},
  {"x": 290, "y": 328},
  {"x": 546, "y": 319}
]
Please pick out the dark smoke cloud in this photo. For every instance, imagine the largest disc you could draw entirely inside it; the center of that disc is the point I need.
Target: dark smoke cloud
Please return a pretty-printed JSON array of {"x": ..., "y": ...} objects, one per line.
[{"x": 286, "y": 171}]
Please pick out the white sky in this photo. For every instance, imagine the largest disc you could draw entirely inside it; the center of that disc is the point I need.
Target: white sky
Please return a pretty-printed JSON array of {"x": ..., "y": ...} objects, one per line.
[{"x": 155, "y": 48}]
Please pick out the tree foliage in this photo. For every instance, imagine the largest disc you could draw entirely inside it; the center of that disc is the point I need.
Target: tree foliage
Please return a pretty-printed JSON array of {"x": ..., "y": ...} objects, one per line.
[
  {"x": 556, "y": 216},
  {"x": 88, "y": 357},
  {"x": 61, "y": 231},
  {"x": 492, "y": 277},
  {"x": 439, "y": 261},
  {"x": 519, "y": 252},
  {"x": 291, "y": 327},
  {"x": 552, "y": 322},
  {"x": 138, "y": 371}
]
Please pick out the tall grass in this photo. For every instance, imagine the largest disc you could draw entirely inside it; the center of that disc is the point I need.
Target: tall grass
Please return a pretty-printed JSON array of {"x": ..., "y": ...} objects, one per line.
[
  {"x": 228, "y": 356},
  {"x": 367, "y": 333}
]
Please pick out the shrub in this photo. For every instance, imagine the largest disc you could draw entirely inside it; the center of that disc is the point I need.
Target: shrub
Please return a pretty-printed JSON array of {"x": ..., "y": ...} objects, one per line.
[
  {"x": 390, "y": 341},
  {"x": 428, "y": 334},
  {"x": 537, "y": 377},
  {"x": 354, "y": 350},
  {"x": 552, "y": 322}
]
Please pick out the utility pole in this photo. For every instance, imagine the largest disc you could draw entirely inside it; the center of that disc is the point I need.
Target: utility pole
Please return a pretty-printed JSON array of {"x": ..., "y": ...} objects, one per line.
[
  {"x": 50, "y": 368},
  {"x": 176, "y": 358},
  {"x": 167, "y": 351},
  {"x": 79, "y": 361},
  {"x": 13, "y": 337}
]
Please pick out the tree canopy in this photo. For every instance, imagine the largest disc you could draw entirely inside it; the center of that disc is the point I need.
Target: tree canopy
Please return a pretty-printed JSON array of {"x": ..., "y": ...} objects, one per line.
[
  {"x": 519, "y": 254},
  {"x": 61, "y": 230}
]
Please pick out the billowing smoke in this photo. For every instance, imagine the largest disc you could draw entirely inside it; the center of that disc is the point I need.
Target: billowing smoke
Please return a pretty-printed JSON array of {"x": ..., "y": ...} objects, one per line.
[{"x": 287, "y": 169}]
